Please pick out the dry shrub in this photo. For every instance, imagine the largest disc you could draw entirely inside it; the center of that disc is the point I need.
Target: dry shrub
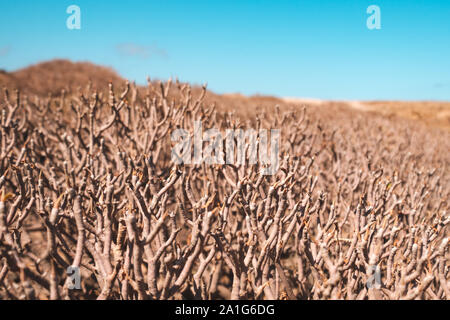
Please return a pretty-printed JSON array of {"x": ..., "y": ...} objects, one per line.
[{"x": 87, "y": 181}]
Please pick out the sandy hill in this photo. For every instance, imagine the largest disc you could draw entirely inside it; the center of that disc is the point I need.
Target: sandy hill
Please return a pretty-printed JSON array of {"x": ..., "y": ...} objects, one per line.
[{"x": 53, "y": 76}]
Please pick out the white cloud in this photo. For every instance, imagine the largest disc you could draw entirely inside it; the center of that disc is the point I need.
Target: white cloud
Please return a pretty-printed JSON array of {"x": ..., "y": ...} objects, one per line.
[
  {"x": 4, "y": 51},
  {"x": 438, "y": 85},
  {"x": 143, "y": 52}
]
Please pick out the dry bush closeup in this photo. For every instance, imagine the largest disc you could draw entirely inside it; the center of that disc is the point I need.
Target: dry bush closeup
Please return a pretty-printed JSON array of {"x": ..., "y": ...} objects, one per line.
[{"x": 357, "y": 210}]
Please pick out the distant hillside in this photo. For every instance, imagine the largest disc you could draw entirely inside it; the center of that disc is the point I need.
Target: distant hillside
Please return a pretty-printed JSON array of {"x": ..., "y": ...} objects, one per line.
[{"x": 53, "y": 76}]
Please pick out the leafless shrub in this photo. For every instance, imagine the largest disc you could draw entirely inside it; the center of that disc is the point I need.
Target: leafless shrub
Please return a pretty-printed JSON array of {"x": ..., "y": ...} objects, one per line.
[{"x": 86, "y": 181}]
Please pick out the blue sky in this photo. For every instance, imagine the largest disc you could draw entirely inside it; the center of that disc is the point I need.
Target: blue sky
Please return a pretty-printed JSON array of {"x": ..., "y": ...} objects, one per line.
[{"x": 314, "y": 48}]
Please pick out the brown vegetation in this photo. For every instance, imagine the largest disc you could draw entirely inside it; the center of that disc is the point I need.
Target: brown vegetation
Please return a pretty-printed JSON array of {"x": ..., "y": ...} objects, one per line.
[
  {"x": 86, "y": 181},
  {"x": 433, "y": 113}
]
